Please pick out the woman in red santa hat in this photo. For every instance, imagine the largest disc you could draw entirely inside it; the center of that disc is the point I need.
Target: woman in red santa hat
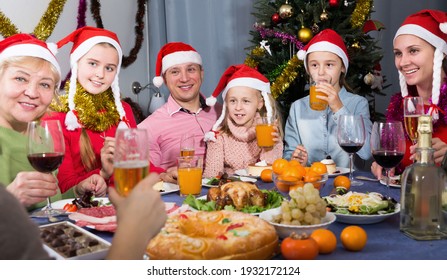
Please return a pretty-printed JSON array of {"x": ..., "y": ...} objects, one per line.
[
  {"x": 311, "y": 135},
  {"x": 420, "y": 50},
  {"x": 92, "y": 111},
  {"x": 232, "y": 142}
]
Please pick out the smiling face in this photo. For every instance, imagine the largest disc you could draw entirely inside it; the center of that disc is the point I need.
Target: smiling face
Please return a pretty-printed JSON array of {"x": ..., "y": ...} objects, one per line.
[
  {"x": 97, "y": 68},
  {"x": 184, "y": 82},
  {"x": 413, "y": 58},
  {"x": 26, "y": 90},
  {"x": 325, "y": 66},
  {"x": 242, "y": 104}
]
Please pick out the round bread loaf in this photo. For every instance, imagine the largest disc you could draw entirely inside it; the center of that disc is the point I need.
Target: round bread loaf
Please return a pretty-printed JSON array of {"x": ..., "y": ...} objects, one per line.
[{"x": 216, "y": 235}]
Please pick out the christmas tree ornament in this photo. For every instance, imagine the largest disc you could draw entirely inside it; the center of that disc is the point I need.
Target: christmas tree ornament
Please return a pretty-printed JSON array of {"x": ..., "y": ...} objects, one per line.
[
  {"x": 285, "y": 11},
  {"x": 276, "y": 18},
  {"x": 369, "y": 79},
  {"x": 324, "y": 16},
  {"x": 305, "y": 34},
  {"x": 333, "y": 3},
  {"x": 346, "y": 3},
  {"x": 355, "y": 45},
  {"x": 315, "y": 28}
]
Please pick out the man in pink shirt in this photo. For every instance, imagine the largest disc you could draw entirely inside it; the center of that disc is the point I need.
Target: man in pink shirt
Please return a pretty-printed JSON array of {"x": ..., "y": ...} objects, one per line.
[{"x": 179, "y": 66}]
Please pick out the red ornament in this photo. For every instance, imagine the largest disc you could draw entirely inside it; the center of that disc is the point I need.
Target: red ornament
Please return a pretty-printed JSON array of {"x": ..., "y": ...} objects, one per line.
[
  {"x": 276, "y": 18},
  {"x": 333, "y": 3}
]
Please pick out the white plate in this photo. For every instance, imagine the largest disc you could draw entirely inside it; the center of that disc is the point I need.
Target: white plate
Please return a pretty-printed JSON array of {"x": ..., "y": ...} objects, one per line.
[
  {"x": 383, "y": 181},
  {"x": 169, "y": 188},
  {"x": 61, "y": 203},
  {"x": 242, "y": 178},
  {"x": 365, "y": 219},
  {"x": 244, "y": 172},
  {"x": 341, "y": 171}
]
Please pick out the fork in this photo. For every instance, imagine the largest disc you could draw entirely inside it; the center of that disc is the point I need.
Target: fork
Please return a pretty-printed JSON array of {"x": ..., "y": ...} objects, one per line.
[{"x": 366, "y": 178}]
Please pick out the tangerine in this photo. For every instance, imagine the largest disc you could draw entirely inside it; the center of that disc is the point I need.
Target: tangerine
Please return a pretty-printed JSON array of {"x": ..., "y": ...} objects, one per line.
[
  {"x": 318, "y": 167},
  {"x": 294, "y": 171},
  {"x": 279, "y": 165},
  {"x": 294, "y": 162},
  {"x": 313, "y": 177},
  {"x": 353, "y": 238},
  {"x": 326, "y": 240},
  {"x": 267, "y": 175},
  {"x": 342, "y": 181},
  {"x": 299, "y": 184}
]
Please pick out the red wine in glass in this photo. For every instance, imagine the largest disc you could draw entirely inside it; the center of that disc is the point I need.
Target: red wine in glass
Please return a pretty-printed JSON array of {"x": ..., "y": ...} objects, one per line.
[
  {"x": 388, "y": 159},
  {"x": 351, "y": 148},
  {"x": 46, "y": 162}
]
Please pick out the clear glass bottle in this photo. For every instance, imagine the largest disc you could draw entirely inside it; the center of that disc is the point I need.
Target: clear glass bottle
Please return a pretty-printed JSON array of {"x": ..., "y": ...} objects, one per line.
[{"x": 423, "y": 185}]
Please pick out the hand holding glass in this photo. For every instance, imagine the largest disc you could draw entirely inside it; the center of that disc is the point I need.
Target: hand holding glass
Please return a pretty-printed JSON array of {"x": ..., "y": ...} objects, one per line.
[
  {"x": 45, "y": 150},
  {"x": 388, "y": 145},
  {"x": 190, "y": 175},
  {"x": 351, "y": 138},
  {"x": 413, "y": 108},
  {"x": 131, "y": 159}
]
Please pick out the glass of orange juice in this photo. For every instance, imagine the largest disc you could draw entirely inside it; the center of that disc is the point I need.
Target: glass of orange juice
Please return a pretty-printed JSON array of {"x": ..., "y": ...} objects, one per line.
[
  {"x": 316, "y": 103},
  {"x": 190, "y": 175},
  {"x": 264, "y": 131}
]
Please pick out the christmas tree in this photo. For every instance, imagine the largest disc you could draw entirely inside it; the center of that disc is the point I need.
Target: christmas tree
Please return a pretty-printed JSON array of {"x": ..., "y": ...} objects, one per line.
[{"x": 283, "y": 27}]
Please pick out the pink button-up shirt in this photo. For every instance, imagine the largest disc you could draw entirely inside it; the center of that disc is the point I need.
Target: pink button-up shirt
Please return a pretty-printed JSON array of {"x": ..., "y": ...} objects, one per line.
[{"x": 167, "y": 124}]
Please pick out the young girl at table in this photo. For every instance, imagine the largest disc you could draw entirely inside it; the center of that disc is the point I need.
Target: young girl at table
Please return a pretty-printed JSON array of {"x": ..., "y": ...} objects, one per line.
[
  {"x": 420, "y": 50},
  {"x": 232, "y": 142},
  {"x": 29, "y": 78},
  {"x": 92, "y": 111},
  {"x": 310, "y": 135}
]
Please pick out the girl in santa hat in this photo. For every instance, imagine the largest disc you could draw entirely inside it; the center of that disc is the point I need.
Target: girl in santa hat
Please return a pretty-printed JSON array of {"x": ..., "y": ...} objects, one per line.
[
  {"x": 310, "y": 135},
  {"x": 92, "y": 111},
  {"x": 420, "y": 50},
  {"x": 232, "y": 142},
  {"x": 29, "y": 78}
]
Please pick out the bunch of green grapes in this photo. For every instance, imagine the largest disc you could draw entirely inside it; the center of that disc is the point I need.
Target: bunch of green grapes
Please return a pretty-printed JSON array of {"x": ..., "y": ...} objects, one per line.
[{"x": 305, "y": 207}]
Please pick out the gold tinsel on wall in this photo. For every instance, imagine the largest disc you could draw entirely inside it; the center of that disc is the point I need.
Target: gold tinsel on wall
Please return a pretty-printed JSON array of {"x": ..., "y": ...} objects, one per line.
[{"x": 361, "y": 12}]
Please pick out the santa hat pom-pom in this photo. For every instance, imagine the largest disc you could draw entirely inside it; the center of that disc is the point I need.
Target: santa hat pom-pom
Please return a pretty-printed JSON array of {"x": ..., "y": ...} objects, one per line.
[
  {"x": 158, "y": 81},
  {"x": 211, "y": 101},
  {"x": 210, "y": 136},
  {"x": 71, "y": 121},
  {"x": 301, "y": 54},
  {"x": 52, "y": 47},
  {"x": 443, "y": 27}
]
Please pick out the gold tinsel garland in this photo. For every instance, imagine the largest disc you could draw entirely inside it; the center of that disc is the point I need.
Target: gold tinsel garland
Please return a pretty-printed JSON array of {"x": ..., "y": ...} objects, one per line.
[
  {"x": 362, "y": 9},
  {"x": 287, "y": 76},
  {"x": 256, "y": 52},
  {"x": 45, "y": 26},
  {"x": 96, "y": 112}
]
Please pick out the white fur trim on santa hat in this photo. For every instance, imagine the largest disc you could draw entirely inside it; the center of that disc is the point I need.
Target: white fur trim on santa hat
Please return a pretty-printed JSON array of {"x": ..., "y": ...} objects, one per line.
[
  {"x": 211, "y": 101},
  {"x": 210, "y": 136},
  {"x": 325, "y": 46},
  {"x": 419, "y": 31},
  {"x": 71, "y": 122},
  {"x": 443, "y": 27},
  {"x": 85, "y": 46},
  {"x": 158, "y": 81},
  {"x": 180, "y": 57},
  {"x": 246, "y": 82},
  {"x": 301, "y": 54}
]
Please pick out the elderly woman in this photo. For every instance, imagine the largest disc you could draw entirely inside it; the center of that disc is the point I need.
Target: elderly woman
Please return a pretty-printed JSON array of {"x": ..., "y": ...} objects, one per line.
[{"x": 29, "y": 78}]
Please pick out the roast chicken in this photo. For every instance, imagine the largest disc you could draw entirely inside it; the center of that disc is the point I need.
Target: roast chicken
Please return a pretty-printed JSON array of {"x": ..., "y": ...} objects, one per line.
[{"x": 238, "y": 194}]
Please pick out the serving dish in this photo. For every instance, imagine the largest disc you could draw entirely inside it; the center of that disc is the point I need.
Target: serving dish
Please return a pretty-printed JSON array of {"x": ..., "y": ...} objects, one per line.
[
  {"x": 340, "y": 171},
  {"x": 285, "y": 230},
  {"x": 365, "y": 219},
  {"x": 59, "y": 204}
]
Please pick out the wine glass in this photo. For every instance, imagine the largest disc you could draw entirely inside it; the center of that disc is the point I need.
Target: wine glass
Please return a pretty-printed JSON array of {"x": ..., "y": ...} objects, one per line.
[
  {"x": 187, "y": 145},
  {"x": 45, "y": 152},
  {"x": 388, "y": 145},
  {"x": 351, "y": 138},
  {"x": 413, "y": 108}
]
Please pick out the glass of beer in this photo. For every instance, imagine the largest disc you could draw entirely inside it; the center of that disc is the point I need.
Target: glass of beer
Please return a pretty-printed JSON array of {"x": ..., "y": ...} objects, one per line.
[
  {"x": 316, "y": 103},
  {"x": 190, "y": 175},
  {"x": 264, "y": 131},
  {"x": 131, "y": 159},
  {"x": 187, "y": 145},
  {"x": 413, "y": 108}
]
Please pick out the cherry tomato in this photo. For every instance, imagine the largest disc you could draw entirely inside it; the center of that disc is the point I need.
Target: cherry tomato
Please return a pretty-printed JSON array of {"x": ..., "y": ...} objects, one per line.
[
  {"x": 297, "y": 247},
  {"x": 70, "y": 207}
]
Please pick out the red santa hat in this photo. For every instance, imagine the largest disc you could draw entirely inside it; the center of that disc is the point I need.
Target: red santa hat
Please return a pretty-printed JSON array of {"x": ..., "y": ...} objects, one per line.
[
  {"x": 27, "y": 45},
  {"x": 172, "y": 54},
  {"x": 238, "y": 75},
  {"x": 326, "y": 41},
  {"x": 431, "y": 26},
  {"x": 83, "y": 40}
]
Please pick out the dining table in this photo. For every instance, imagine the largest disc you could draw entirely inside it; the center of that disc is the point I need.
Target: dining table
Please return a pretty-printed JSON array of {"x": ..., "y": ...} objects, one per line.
[{"x": 385, "y": 240}]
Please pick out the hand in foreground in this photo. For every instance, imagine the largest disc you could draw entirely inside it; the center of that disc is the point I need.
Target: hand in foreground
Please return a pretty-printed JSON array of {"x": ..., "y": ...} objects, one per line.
[
  {"x": 377, "y": 170},
  {"x": 170, "y": 176},
  {"x": 95, "y": 183},
  {"x": 107, "y": 154},
  {"x": 33, "y": 187},
  {"x": 140, "y": 217},
  {"x": 440, "y": 149},
  {"x": 300, "y": 154}
]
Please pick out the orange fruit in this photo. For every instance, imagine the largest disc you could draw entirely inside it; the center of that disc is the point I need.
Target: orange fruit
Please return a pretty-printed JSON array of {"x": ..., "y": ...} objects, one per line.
[
  {"x": 294, "y": 162},
  {"x": 299, "y": 184},
  {"x": 353, "y": 238},
  {"x": 267, "y": 175},
  {"x": 279, "y": 165},
  {"x": 313, "y": 177},
  {"x": 294, "y": 171},
  {"x": 318, "y": 167},
  {"x": 326, "y": 240},
  {"x": 342, "y": 184}
]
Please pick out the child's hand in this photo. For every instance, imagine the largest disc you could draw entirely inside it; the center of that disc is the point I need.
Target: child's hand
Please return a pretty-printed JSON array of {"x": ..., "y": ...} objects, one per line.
[
  {"x": 332, "y": 98},
  {"x": 300, "y": 154},
  {"x": 275, "y": 134}
]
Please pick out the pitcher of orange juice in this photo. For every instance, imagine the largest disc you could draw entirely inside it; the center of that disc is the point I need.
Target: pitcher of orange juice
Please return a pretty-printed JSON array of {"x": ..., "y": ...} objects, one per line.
[
  {"x": 264, "y": 131},
  {"x": 190, "y": 175}
]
